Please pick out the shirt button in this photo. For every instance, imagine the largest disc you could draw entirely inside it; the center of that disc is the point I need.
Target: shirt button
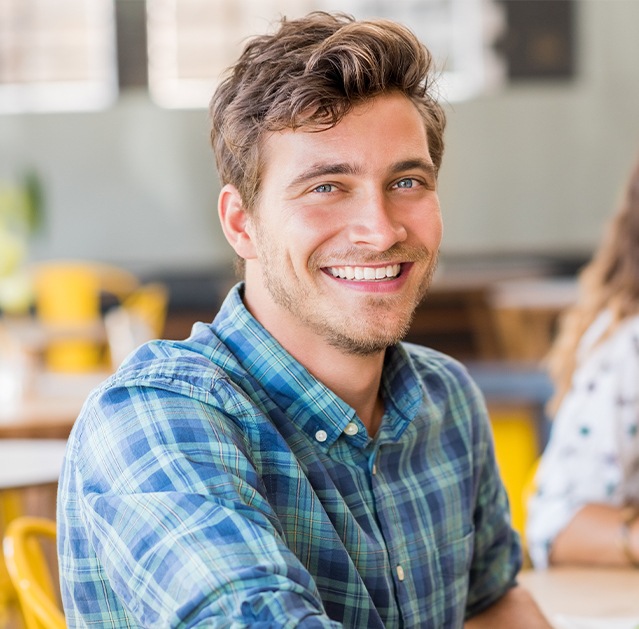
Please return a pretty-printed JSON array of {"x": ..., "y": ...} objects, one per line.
[
  {"x": 374, "y": 469},
  {"x": 321, "y": 436},
  {"x": 400, "y": 573},
  {"x": 351, "y": 429}
]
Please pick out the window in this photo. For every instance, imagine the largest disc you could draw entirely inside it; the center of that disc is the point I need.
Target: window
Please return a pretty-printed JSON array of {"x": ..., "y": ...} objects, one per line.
[
  {"x": 57, "y": 55},
  {"x": 191, "y": 42}
]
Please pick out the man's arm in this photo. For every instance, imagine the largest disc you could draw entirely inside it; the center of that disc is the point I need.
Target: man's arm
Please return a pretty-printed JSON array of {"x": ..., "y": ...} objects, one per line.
[
  {"x": 515, "y": 609},
  {"x": 163, "y": 518}
]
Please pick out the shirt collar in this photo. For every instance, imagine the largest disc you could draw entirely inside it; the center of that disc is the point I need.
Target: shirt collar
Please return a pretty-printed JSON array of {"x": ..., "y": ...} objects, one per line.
[
  {"x": 289, "y": 385},
  {"x": 304, "y": 399},
  {"x": 402, "y": 389}
]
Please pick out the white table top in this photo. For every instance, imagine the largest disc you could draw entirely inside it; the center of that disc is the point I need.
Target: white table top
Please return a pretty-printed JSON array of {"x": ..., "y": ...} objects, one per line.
[
  {"x": 586, "y": 598},
  {"x": 27, "y": 462},
  {"x": 50, "y": 406}
]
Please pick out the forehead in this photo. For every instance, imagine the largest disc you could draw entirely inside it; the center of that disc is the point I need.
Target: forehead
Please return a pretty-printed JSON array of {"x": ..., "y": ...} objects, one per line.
[{"x": 388, "y": 128}]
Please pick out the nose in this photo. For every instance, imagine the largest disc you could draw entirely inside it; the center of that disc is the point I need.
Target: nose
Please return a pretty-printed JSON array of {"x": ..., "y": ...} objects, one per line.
[{"x": 376, "y": 223}]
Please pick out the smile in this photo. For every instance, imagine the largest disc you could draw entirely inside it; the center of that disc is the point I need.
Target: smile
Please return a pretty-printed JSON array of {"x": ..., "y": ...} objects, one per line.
[{"x": 365, "y": 273}]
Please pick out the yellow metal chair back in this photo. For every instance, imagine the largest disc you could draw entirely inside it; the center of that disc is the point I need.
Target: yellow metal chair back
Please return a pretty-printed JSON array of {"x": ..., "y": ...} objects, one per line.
[
  {"x": 516, "y": 448},
  {"x": 67, "y": 295},
  {"x": 140, "y": 318},
  {"x": 10, "y": 508},
  {"x": 108, "y": 278},
  {"x": 23, "y": 547},
  {"x": 150, "y": 303}
]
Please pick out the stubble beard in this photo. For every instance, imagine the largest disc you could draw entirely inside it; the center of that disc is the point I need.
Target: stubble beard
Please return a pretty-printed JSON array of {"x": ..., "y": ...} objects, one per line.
[{"x": 394, "y": 313}]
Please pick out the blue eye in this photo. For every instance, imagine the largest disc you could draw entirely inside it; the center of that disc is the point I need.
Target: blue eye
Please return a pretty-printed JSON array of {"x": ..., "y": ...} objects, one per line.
[
  {"x": 325, "y": 187},
  {"x": 405, "y": 183}
]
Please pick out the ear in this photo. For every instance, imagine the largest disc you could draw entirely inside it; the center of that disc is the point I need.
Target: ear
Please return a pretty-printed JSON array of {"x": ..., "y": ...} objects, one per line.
[{"x": 235, "y": 222}]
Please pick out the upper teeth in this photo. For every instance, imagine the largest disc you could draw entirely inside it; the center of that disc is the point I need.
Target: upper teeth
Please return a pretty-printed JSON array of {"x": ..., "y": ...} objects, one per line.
[{"x": 365, "y": 272}]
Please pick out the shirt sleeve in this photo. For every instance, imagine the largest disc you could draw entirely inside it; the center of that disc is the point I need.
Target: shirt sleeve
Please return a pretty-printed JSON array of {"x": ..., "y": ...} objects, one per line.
[
  {"x": 177, "y": 516},
  {"x": 593, "y": 448}
]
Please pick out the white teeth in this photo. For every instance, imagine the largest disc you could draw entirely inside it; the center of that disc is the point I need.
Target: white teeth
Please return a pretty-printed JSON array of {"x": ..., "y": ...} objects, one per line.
[{"x": 365, "y": 272}]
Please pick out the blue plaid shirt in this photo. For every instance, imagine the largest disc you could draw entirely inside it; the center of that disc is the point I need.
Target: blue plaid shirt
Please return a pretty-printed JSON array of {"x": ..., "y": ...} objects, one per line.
[{"x": 214, "y": 482}]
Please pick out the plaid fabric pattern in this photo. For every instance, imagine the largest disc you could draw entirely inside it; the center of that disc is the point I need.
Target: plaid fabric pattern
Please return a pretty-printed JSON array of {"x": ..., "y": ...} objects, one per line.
[{"x": 210, "y": 482}]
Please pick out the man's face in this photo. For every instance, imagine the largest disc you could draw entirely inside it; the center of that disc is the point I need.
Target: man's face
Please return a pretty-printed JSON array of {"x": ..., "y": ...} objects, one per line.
[{"x": 346, "y": 229}]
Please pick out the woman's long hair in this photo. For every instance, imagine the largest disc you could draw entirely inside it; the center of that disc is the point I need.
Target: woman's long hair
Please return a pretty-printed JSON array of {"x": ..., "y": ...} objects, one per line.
[{"x": 610, "y": 281}]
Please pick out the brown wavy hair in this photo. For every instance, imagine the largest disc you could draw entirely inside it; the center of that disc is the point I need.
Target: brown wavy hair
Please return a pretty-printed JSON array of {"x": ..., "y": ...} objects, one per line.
[
  {"x": 610, "y": 281},
  {"x": 309, "y": 74}
]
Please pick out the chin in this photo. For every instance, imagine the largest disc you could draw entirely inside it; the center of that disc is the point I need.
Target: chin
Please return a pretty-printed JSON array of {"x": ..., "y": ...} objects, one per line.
[{"x": 371, "y": 344}]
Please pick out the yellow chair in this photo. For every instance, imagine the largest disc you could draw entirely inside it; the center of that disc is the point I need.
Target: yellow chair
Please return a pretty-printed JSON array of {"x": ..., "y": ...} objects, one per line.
[
  {"x": 24, "y": 552},
  {"x": 10, "y": 508},
  {"x": 529, "y": 487},
  {"x": 67, "y": 296},
  {"x": 150, "y": 303},
  {"x": 139, "y": 319},
  {"x": 517, "y": 453},
  {"x": 516, "y": 449}
]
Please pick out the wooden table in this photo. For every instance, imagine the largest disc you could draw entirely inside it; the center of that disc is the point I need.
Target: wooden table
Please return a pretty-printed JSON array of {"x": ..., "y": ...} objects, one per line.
[
  {"x": 526, "y": 314},
  {"x": 582, "y": 596},
  {"x": 50, "y": 406}
]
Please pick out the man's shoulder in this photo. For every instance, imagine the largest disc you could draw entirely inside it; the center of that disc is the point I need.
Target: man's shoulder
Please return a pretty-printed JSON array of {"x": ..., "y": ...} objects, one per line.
[
  {"x": 163, "y": 378},
  {"x": 192, "y": 364}
]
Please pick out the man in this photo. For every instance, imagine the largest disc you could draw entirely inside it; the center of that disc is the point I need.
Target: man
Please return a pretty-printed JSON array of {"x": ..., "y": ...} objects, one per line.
[{"x": 292, "y": 464}]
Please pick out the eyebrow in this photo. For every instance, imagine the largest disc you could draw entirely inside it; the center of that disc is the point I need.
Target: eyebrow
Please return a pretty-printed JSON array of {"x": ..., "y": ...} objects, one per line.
[
  {"x": 321, "y": 169},
  {"x": 343, "y": 168},
  {"x": 415, "y": 164}
]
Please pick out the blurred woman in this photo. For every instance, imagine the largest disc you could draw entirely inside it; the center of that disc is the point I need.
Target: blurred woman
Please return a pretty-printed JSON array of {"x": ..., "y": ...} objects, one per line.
[{"x": 586, "y": 506}]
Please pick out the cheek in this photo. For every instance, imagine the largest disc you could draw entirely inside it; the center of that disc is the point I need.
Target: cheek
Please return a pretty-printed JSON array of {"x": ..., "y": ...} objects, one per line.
[
  {"x": 311, "y": 230},
  {"x": 317, "y": 218},
  {"x": 434, "y": 221},
  {"x": 428, "y": 228},
  {"x": 438, "y": 229},
  {"x": 284, "y": 248}
]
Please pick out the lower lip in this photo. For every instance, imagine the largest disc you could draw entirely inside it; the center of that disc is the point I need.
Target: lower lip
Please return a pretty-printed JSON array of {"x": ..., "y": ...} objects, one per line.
[{"x": 375, "y": 286}]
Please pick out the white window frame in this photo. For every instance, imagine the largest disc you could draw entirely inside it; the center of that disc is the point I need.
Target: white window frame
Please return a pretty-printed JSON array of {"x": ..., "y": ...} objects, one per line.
[
  {"x": 24, "y": 91},
  {"x": 458, "y": 32}
]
